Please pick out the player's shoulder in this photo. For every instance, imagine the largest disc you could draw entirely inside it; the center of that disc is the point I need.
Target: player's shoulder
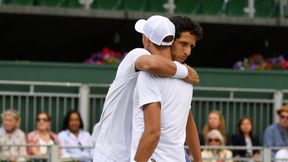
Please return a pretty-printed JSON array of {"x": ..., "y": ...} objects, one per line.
[
  {"x": 133, "y": 55},
  {"x": 140, "y": 50},
  {"x": 179, "y": 83},
  {"x": 137, "y": 50}
]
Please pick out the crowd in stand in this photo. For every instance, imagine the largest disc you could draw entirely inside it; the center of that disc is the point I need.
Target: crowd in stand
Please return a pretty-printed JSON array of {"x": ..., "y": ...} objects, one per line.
[
  {"x": 72, "y": 134},
  {"x": 214, "y": 134}
]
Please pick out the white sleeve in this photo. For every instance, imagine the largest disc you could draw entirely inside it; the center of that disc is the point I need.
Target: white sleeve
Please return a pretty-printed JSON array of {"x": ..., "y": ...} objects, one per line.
[
  {"x": 127, "y": 65},
  {"x": 62, "y": 138},
  {"x": 149, "y": 89}
]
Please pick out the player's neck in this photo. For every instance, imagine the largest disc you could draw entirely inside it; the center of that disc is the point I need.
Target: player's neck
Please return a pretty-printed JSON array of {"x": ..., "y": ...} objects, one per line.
[{"x": 163, "y": 52}]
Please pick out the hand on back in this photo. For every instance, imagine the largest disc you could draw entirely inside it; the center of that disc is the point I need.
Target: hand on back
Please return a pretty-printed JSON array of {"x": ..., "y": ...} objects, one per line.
[{"x": 193, "y": 77}]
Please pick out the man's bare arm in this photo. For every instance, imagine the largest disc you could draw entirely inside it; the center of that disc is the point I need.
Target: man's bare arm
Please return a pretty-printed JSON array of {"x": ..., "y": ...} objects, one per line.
[
  {"x": 192, "y": 139},
  {"x": 163, "y": 67},
  {"x": 151, "y": 134}
]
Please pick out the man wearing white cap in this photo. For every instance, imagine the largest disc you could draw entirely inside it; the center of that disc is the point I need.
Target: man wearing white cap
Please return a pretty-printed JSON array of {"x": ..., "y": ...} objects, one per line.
[
  {"x": 112, "y": 135},
  {"x": 161, "y": 105}
]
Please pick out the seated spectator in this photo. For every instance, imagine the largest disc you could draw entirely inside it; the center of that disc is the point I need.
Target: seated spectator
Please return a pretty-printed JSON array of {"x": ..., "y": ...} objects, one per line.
[
  {"x": 215, "y": 138},
  {"x": 282, "y": 156},
  {"x": 42, "y": 135},
  {"x": 215, "y": 121},
  {"x": 10, "y": 134},
  {"x": 276, "y": 135},
  {"x": 246, "y": 138},
  {"x": 74, "y": 135}
]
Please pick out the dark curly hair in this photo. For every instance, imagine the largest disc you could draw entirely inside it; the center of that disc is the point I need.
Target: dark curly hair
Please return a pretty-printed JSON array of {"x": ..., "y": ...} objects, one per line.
[
  {"x": 67, "y": 118},
  {"x": 185, "y": 24}
]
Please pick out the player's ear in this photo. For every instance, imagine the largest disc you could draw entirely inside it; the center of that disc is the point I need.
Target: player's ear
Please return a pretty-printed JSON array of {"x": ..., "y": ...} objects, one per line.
[{"x": 145, "y": 41}]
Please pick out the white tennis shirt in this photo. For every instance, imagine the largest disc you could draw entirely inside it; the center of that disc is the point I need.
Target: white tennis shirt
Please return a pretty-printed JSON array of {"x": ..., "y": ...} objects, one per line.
[
  {"x": 113, "y": 132},
  {"x": 175, "y": 97}
]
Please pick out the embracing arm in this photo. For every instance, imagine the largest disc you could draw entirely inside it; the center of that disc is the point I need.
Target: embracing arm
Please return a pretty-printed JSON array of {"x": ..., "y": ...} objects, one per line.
[
  {"x": 156, "y": 65},
  {"x": 161, "y": 66},
  {"x": 192, "y": 139},
  {"x": 151, "y": 134}
]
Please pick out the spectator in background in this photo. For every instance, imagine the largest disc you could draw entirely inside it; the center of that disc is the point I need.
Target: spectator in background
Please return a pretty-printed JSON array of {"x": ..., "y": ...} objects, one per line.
[
  {"x": 74, "y": 135},
  {"x": 10, "y": 134},
  {"x": 277, "y": 134},
  {"x": 42, "y": 135},
  {"x": 215, "y": 121},
  {"x": 215, "y": 138},
  {"x": 246, "y": 138}
]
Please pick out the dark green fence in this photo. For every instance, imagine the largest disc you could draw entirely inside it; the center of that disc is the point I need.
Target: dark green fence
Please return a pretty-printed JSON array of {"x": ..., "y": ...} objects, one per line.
[
  {"x": 82, "y": 73},
  {"x": 235, "y": 103}
]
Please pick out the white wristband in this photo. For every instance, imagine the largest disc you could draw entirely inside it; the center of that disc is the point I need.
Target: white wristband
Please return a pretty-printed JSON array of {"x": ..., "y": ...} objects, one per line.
[{"x": 181, "y": 71}]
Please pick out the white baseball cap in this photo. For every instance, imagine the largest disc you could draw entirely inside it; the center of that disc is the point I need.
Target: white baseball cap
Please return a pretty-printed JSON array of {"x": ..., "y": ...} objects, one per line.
[{"x": 156, "y": 28}]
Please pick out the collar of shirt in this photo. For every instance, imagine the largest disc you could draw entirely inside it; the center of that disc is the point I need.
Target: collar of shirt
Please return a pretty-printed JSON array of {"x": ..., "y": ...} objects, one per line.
[
  {"x": 69, "y": 133},
  {"x": 6, "y": 133}
]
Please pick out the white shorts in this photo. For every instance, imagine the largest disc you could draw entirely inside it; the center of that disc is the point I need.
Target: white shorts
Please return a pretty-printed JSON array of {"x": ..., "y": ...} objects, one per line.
[{"x": 99, "y": 157}]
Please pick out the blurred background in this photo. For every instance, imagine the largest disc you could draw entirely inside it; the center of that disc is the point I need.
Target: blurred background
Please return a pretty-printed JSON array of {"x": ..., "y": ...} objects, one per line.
[{"x": 71, "y": 30}]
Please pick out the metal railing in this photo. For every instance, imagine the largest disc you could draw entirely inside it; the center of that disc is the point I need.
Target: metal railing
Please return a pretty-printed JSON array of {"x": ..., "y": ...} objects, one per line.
[
  {"x": 234, "y": 103},
  {"x": 8, "y": 156},
  {"x": 29, "y": 98},
  {"x": 51, "y": 156},
  {"x": 235, "y": 158},
  {"x": 54, "y": 156},
  {"x": 285, "y": 97},
  {"x": 265, "y": 153}
]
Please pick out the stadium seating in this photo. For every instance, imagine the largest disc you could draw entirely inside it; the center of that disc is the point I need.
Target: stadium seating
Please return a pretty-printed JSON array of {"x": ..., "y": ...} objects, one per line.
[
  {"x": 6, "y": 1},
  {"x": 21, "y": 2},
  {"x": 268, "y": 8},
  {"x": 51, "y": 3},
  {"x": 107, "y": 4},
  {"x": 211, "y": 7},
  {"x": 236, "y": 7},
  {"x": 72, "y": 3},
  {"x": 189, "y": 7},
  {"x": 157, "y": 5},
  {"x": 135, "y": 5}
]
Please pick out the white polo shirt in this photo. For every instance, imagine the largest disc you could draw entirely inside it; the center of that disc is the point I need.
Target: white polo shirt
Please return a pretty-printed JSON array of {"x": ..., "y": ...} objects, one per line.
[
  {"x": 175, "y": 97},
  {"x": 112, "y": 134}
]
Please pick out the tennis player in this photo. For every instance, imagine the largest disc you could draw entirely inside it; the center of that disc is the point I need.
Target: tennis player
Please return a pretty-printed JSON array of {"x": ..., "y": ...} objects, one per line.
[
  {"x": 112, "y": 135},
  {"x": 161, "y": 115}
]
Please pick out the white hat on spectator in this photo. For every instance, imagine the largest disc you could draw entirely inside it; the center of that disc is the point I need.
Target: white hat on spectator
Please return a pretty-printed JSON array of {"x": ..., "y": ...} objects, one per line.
[
  {"x": 282, "y": 155},
  {"x": 217, "y": 133},
  {"x": 156, "y": 28}
]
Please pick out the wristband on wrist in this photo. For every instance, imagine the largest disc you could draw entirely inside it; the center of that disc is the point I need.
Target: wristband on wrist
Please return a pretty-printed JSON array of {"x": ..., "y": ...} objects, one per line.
[{"x": 181, "y": 71}]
